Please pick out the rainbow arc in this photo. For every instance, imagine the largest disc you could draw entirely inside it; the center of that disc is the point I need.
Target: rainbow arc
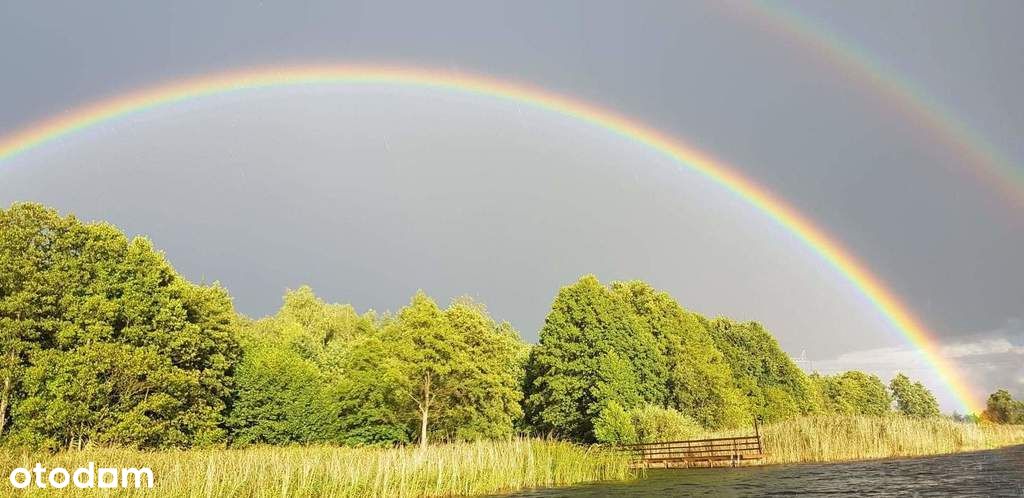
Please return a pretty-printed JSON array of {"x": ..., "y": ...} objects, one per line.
[{"x": 885, "y": 301}]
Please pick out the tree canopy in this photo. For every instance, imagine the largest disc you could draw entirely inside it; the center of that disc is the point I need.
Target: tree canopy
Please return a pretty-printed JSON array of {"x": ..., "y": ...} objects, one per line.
[
  {"x": 852, "y": 393},
  {"x": 912, "y": 398},
  {"x": 592, "y": 350},
  {"x": 1001, "y": 408},
  {"x": 774, "y": 386},
  {"x": 103, "y": 341}
]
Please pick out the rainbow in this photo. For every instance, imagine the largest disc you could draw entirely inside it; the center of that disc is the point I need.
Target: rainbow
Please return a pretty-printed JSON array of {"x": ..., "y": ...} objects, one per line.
[
  {"x": 982, "y": 159},
  {"x": 830, "y": 251}
]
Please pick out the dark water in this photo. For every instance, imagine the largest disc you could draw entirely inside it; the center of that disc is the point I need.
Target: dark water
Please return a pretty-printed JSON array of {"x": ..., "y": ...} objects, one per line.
[{"x": 983, "y": 473}]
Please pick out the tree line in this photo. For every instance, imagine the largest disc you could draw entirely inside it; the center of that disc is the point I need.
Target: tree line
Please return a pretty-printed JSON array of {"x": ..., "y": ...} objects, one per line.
[{"x": 103, "y": 342}]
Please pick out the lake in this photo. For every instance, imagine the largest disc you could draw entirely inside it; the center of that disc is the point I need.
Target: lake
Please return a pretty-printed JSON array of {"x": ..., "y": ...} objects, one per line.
[{"x": 983, "y": 473}]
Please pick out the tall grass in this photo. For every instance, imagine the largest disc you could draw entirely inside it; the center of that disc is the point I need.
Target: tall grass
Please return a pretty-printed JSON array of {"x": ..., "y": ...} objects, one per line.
[
  {"x": 840, "y": 438},
  {"x": 486, "y": 467},
  {"x": 453, "y": 469}
]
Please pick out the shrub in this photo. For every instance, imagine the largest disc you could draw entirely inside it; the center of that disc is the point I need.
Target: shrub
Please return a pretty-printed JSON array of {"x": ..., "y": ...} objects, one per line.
[{"x": 653, "y": 423}]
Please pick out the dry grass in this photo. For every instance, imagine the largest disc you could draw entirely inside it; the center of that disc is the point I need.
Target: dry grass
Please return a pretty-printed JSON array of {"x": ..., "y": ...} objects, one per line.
[
  {"x": 841, "y": 438},
  {"x": 455, "y": 469},
  {"x": 487, "y": 467}
]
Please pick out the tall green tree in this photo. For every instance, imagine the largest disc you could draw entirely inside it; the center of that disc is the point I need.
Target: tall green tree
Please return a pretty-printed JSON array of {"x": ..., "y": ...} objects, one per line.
[
  {"x": 774, "y": 386},
  {"x": 427, "y": 362},
  {"x": 699, "y": 380},
  {"x": 104, "y": 341},
  {"x": 852, "y": 393},
  {"x": 290, "y": 377},
  {"x": 592, "y": 350},
  {"x": 912, "y": 398},
  {"x": 454, "y": 373}
]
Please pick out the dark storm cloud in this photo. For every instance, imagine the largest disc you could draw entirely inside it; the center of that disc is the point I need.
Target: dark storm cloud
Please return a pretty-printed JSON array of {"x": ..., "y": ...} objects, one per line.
[{"x": 341, "y": 207}]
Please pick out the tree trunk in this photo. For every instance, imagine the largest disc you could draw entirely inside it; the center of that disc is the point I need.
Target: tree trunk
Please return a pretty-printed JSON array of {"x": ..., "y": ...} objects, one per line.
[
  {"x": 424, "y": 411},
  {"x": 5, "y": 395},
  {"x": 423, "y": 428}
]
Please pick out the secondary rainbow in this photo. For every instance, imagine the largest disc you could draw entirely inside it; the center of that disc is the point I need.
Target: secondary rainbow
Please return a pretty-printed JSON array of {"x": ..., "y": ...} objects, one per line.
[
  {"x": 978, "y": 155},
  {"x": 801, "y": 227}
]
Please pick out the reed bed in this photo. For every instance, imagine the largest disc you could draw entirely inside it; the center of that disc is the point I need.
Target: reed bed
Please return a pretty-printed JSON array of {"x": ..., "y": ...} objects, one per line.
[
  {"x": 444, "y": 470},
  {"x": 843, "y": 438}
]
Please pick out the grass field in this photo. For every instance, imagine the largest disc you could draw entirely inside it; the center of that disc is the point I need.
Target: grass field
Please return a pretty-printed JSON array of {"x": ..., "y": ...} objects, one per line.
[
  {"x": 455, "y": 469},
  {"x": 486, "y": 467},
  {"x": 840, "y": 438}
]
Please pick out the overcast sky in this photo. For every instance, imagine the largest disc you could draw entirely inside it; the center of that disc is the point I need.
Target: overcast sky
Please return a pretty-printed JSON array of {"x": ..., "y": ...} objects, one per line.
[{"x": 370, "y": 193}]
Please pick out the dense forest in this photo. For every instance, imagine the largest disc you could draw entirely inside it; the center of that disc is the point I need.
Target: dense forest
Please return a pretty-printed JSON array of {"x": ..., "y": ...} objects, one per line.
[{"x": 102, "y": 342}]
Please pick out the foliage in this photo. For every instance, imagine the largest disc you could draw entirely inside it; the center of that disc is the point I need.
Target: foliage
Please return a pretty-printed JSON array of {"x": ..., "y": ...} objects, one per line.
[
  {"x": 592, "y": 350},
  {"x": 614, "y": 425},
  {"x": 852, "y": 393},
  {"x": 912, "y": 398},
  {"x": 289, "y": 380},
  {"x": 452, "y": 374},
  {"x": 774, "y": 386},
  {"x": 653, "y": 423},
  {"x": 319, "y": 372},
  {"x": 1001, "y": 408},
  {"x": 699, "y": 381},
  {"x": 103, "y": 341},
  {"x": 281, "y": 398}
]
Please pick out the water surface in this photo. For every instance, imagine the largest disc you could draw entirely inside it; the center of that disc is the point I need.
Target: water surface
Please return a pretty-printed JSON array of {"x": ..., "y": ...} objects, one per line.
[{"x": 984, "y": 473}]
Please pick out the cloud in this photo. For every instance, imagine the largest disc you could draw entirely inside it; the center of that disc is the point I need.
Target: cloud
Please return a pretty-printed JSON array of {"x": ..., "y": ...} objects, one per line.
[{"x": 988, "y": 360}]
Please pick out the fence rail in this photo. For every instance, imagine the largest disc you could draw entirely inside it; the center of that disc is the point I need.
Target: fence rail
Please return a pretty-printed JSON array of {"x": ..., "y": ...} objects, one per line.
[{"x": 731, "y": 451}]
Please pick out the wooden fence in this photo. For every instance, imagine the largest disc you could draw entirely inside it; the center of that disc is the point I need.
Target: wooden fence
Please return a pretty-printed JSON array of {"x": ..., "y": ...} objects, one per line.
[{"x": 726, "y": 451}]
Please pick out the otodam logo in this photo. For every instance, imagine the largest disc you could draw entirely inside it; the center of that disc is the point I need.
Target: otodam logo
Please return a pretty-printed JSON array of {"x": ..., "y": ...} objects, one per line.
[{"x": 87, "y": 477}]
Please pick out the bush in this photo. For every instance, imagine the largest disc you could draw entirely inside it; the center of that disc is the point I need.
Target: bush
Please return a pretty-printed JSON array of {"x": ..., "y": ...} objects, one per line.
[
  {"x": 614, "y": 425},
  {"x": 653, "y": 423}
]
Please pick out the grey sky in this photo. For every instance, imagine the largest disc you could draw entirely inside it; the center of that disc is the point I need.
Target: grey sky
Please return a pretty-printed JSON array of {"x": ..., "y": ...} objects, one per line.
[{"x": 369, "y": 194}]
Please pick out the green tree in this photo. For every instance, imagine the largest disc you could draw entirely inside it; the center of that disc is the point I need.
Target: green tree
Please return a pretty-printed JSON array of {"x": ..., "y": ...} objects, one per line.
[
  {"x": 455, "y": 372},
  {"x": 489, "y": 404},
  {"x": 592, "y": 350},
  {"x": 95, "y": 322},
  {"x": 912, "y": 398},
  {"x": 282, "y": 398},
  {"x": 290, "y": 379},
  {"x": 613, "y": 425},
  {"x": 426, "y": 360},
  {"x": 699, "y": 381},
  {"x": 374, "y": 411},
  {"x": 774, "y": 386},
  {"x": 852, "y": 393},
  {"x": 1001, "y": 408},
  {"x": 653, "y": 424}
]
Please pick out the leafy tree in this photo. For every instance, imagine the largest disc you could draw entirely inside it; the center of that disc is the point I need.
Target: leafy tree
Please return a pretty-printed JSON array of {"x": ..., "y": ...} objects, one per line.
[
  {"x": 613, "y": 425},
  {"x": 282, "y": 398},
  {"x": 374, "y": 411},
  {"x": 455, "y": 373},
  {"x": 489, "y": 405},
  {"x": 699, "y": 381},
  {"x": 103, "y": 341},
  {"x": 289, "y": 381},
  {"x": 1001, "y": 408},
  {"x": 852, "y": 393},
  {"x": 653, "y": 423},
  {"x": 427, "y": 362},
  {"x": 592, "y": 350},
  {"x": 912, "y": 398},
  {"x": 317, "y": 330},
  {"x": 774, "y": 386}
]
